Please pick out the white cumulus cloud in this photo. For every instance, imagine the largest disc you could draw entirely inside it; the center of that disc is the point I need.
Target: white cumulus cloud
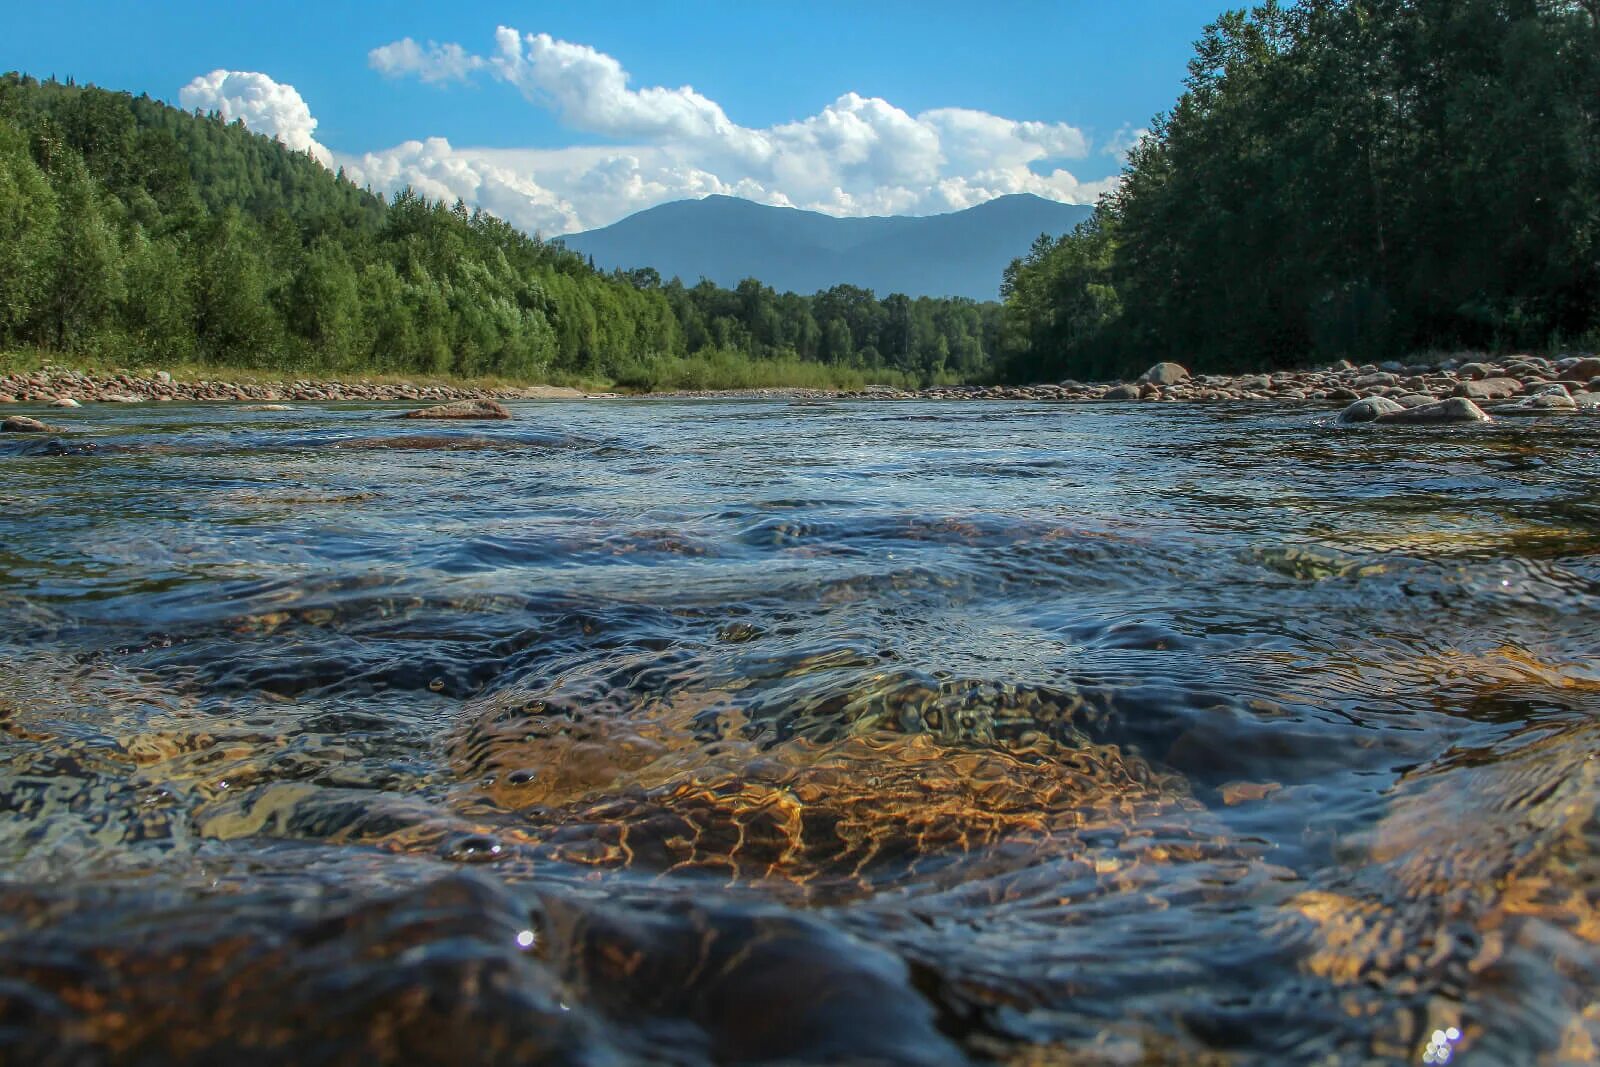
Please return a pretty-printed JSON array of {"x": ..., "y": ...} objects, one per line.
[
  {"x": 857, "y": 155},
  {"x": 265, "y": 105},
  {"x": 436, "y": 63}
]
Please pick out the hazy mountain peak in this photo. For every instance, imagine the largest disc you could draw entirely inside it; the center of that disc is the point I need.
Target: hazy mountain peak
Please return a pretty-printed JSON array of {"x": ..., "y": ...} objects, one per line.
[{"x": 726, "y": 239}]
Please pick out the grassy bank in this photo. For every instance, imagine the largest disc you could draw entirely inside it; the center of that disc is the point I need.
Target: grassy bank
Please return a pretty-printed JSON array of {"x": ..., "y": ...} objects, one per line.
[{"x": 716, "y": 369}]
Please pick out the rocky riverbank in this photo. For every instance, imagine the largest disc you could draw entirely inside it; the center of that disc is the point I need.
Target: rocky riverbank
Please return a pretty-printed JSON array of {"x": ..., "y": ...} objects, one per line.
[
  {"x": 1516, "y": 379},
  {"x": 1515, "y": 385},
  {"x": 70, "y": 388}
]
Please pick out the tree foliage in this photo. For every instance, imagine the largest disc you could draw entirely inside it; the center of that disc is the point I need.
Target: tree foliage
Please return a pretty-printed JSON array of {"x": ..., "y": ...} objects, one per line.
[
  {"x": 135, "y": 230},
  {"x": 1341, "y": 178}
]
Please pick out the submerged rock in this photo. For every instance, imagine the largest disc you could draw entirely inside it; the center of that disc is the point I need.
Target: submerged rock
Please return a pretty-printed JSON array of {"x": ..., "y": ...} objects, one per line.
[
  {"x": 23, "y": 424},
  {"x": 1373, "y": 407},
  {"x": 461, "y": 409},
  {"x": 1165, "y": 374},
  {"x": 1456, "y": 409}
]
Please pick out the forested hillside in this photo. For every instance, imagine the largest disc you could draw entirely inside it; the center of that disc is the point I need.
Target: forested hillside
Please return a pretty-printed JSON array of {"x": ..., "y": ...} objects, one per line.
[
  {"x": 135, "y": 231},
  {"x": 1359, "y": 178}
]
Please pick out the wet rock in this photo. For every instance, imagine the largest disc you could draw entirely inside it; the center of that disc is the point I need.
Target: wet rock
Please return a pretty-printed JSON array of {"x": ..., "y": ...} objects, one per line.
[
  {"x": 461, "y": 409},
  {"x": 65, "y": 402},
  {"x": 1122, "y": 392},
  {"x": 1414, "y": 400},
  {"x": 1373, "y": 407},
  {"x": 23, "y": 424},
  {"x": 1455, "y": 409},
  {"x": 7, "y": 398},
  {"x": 1165, "y": 374},
  {"x": 267, "y": 407},
  {"x": 1497, "y": 388}
]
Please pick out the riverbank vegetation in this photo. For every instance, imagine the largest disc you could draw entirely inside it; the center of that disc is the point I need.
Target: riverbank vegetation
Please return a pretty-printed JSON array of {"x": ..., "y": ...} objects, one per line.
[
  {"x": 139, "y": 234},
  {"x": 1341, "y": 178}
]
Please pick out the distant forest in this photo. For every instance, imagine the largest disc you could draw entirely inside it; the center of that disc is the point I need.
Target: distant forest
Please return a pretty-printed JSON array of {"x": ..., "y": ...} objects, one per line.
[
  {"x": 136, "y": 232},
  {"x": 1361, "y": 178}
]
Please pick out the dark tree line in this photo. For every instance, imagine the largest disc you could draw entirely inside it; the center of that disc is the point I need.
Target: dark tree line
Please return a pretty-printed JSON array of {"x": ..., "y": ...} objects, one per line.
[
  {"x": 1341, "y": 178},
  {"x": 139, "y": 232}
]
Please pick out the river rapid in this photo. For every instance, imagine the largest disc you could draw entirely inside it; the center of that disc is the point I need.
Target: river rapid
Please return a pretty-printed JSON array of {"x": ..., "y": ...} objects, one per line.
[{"x": 780, "y": 732}]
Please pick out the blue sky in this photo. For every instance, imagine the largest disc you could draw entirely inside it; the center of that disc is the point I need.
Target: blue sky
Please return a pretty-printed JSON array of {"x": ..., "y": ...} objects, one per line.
[{"x": 579, "y": 116}]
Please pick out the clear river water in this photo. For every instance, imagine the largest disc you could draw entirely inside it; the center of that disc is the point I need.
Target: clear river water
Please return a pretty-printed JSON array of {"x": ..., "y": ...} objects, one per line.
[{"x": 799, "y": 732}]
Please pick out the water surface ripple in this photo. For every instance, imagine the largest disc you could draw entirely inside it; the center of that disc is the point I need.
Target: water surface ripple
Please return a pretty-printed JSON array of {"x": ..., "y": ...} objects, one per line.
[{"x": 742, "y": 732}]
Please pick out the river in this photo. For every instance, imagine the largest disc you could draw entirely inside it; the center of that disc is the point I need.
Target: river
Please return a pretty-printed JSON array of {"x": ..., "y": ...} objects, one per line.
[{"x": 728, "y": 731}]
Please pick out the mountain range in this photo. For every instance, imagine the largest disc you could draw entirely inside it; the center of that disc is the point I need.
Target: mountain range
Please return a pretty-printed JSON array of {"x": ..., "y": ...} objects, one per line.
[{"x": 727, "y": 239}]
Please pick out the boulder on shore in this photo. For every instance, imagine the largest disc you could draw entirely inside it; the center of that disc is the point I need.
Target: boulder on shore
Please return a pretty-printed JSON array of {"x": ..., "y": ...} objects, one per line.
[
  {"x": 1165, "y": 374},
  {"x": 1497, "y": 388},
  {"x": 1369, "y": 409},
  {"x": 1123, "y": 392},
  {"x": 461, "y": 409},
  {"x": 1455, "y": 409},
  {"x": 23, "y": 424},
  {"x": 1582, "y": 370}
]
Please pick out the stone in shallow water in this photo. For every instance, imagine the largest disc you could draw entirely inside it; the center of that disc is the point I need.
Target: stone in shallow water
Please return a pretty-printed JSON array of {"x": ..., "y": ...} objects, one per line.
[
  {"x": 462, "y": 409},
  {"x": 1123, "y": 392},
  {"x": 23, "y": 424},
  {"x": 1554, "y": 401},
  {"x": 1456, "y": 409},
  {"x": 1367, "y": 410}
]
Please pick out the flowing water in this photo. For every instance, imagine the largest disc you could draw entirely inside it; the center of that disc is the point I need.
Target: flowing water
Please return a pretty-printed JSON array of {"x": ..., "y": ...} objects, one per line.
[{"x": 683, "y": 732}]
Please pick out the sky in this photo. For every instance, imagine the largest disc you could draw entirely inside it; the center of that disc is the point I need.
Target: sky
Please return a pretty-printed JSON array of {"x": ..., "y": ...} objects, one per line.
[{"x": 562, "y": 117}]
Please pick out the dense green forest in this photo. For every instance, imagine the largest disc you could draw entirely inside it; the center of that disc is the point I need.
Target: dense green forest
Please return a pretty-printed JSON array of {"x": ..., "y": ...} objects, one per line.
[
  {"x": 1354, "y": 178},
  {"x": 140, "y": 233}
]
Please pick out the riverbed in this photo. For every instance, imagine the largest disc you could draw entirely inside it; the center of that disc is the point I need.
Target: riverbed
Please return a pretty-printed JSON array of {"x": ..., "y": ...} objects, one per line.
[{"x": 783, "y": 731}]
